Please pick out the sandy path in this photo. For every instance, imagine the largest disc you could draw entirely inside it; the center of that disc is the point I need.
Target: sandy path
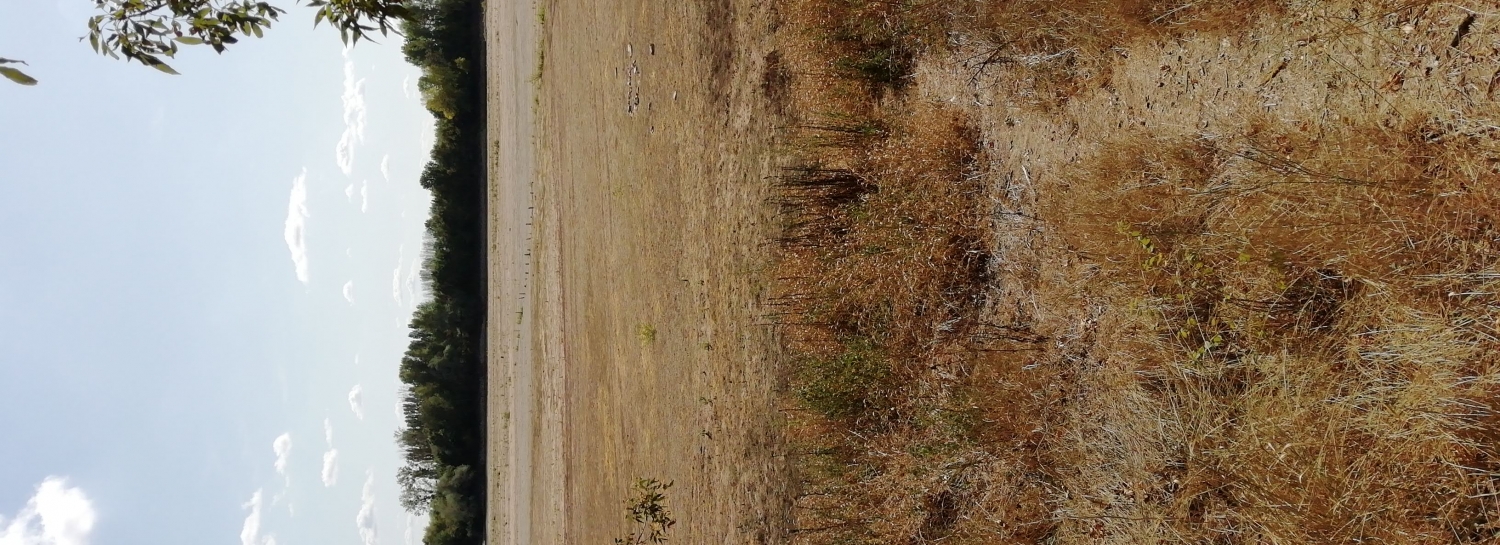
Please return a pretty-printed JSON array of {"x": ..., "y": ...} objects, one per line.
[
  {"x": 510, "y": 29},
  {"x": 629, "y": 346}
]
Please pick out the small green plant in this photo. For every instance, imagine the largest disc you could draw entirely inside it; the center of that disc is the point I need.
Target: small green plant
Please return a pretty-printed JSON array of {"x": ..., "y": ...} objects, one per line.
[
  {"x": 848, "y": 385},
  {"x": 881, "y": 65},
  {"x": 647, "y": 510},
  {"x": 647, "y": 334},
  {"x": 541, "y": 53}
]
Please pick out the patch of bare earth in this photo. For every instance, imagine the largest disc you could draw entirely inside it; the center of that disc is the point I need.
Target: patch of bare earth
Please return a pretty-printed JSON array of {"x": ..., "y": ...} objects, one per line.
[
  {"x": 1135, "y": 271},
  {"x": 636, "y": 290}
]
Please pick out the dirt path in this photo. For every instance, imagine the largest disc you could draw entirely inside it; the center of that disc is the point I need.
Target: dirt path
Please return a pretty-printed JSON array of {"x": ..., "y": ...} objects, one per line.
[
  {"x": 629, "y": 346},
  {"x": 510, "y": 31}
]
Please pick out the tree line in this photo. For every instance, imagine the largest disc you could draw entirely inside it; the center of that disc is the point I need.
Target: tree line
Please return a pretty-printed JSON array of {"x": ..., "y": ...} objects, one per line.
[{"x": 443, "y": 369}]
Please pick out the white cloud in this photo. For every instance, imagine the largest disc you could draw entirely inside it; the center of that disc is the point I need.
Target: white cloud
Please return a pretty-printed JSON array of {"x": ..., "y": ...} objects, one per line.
[
  {"x": 357, "y": 401},
  {"x": 296, "y": 225},
  {"x": 331, "y": 467},
  {"x": 406, "y": 86},
  {"x": 349, "y": 192},
  {"x": 331, "y": 457},
  {"x": 396, "y": 284},
  {"x": 365, "y": 521},
  {"x": 354, "y": 116},
  {"x": 349, "y": 291},
  {"x": 56, "y": 515},
  {"x": 282, "y": 446},
  {"x": 385, "y": 167},
  {"x": 250, "y": 532},
  {"x": 364, "y": 196}
]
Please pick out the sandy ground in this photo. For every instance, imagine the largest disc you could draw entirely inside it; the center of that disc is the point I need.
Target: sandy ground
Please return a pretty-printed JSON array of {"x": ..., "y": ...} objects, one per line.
[
  {"x": 629, "y": 143},
  {"x": 510, "y": 29}
]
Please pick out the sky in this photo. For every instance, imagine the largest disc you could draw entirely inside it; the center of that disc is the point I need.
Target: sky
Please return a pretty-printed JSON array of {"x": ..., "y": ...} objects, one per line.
[{"x": 205, "y": 282}]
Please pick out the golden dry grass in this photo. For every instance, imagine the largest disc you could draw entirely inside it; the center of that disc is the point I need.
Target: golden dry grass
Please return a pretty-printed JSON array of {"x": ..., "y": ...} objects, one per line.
[{"x": 1111, "y": 271}]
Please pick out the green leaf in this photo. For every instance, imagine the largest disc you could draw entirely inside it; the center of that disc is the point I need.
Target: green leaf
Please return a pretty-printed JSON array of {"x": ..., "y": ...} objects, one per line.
[
  {"x": 164, "y": 68},
  {"x": 16, "y": 76},
  {"x": 189, "y": 40}
]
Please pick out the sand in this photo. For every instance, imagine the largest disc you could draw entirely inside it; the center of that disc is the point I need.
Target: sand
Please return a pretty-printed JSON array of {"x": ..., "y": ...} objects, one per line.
[
  {"x": 510, "y": 29},
  {"x": 627, "y": 232}
]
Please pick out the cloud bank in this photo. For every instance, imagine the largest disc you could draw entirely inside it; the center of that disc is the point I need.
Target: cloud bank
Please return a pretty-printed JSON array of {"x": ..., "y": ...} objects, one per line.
[
  {"x": 296, "y": 225},
  {"x": 364, "y": 196},
  {"x": 385, "y": 167},
  {"x": 354, "y": 117},
  {"x": 357, "y": 401},
  {"x": 365, "y": 520},
  {"x": 57, "y": 514},
  {"x": 282, "y": 446},
  {"x": 250, "y": 532}
]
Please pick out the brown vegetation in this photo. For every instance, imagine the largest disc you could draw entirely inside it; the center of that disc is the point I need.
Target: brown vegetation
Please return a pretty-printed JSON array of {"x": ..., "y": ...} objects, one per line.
[{"x": 1141, "y": 271}]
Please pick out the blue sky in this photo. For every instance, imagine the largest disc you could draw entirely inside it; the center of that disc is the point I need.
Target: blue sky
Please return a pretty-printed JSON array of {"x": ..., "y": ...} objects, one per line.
[{"x": 205, "y": 282}]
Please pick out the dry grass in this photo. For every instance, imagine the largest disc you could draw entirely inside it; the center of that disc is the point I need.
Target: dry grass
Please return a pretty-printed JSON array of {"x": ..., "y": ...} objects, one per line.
[{"x": 1112, "y": 271}]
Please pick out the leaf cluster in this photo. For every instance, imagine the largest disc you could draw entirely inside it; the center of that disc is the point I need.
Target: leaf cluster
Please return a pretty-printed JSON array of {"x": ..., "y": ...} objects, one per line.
[
  {"x": 355, "y": 19},
  {"x": 148, "y": 30}
]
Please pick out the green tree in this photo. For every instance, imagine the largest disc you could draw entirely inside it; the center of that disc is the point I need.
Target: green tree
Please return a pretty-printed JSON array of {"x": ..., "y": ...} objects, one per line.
[
  {"x": 147, "y": 31},
  {"x": 418, "y": 482}
]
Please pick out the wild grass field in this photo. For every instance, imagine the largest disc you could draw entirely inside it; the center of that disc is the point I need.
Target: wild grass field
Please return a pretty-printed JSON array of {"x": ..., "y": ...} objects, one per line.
[{"x": 1114, "y": 271}]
